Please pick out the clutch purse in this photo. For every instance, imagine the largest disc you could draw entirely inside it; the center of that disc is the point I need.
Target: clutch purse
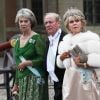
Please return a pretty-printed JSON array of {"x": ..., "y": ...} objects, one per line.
[{"x": 77, "y": 51}]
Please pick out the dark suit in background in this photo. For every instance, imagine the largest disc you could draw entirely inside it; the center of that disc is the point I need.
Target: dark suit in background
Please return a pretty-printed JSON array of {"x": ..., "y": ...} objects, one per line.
[
  {"x": 52, "y": 23},
  {"x": 59, "y": 73}
]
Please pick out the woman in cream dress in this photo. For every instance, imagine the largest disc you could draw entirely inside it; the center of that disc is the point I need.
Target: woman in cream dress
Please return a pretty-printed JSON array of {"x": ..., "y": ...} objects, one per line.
[{"x": 80, "y": 79}]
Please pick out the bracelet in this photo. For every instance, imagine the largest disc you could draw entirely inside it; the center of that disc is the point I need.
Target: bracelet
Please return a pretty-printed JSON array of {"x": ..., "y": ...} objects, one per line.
[{"x": 85, "y": 65}]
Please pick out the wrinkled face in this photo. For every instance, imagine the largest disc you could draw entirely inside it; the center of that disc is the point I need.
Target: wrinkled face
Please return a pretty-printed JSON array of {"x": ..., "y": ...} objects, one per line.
[
  {"x": 24, "y": 24},
  {"x": 51, "y": 25},
  {"x": 75, "y": 25}
]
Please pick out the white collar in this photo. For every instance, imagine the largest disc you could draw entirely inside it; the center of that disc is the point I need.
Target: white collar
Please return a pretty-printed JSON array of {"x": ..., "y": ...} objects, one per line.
[{"x": 55, "y": 35}]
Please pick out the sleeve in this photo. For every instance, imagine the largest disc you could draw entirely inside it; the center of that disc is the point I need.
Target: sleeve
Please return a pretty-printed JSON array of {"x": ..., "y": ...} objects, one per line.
[
  {"x": 59, "y": 62},
  {"x": 13, "y": 42},
  {"x": 94, "y": 60},
  {"x": 5, "y": 45},
  {"x": 40, "y": 52},
  {"x": 63, "y": 47},
  {"x": 92, "y": 49}
]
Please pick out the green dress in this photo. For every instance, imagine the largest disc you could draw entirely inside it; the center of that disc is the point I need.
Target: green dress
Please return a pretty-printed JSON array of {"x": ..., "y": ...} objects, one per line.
[{"x": 30, "y": 88}]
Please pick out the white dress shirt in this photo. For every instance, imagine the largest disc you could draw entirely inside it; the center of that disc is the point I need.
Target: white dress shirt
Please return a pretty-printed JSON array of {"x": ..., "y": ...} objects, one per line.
[{"x": 51, "y": 56}]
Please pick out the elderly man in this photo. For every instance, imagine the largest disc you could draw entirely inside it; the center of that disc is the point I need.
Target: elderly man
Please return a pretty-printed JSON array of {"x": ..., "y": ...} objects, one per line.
[{"x": 52, "y": 23}]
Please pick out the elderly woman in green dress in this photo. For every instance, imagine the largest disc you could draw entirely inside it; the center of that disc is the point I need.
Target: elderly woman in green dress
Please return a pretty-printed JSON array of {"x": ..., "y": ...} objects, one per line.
[{"x": 31, "y": 47}]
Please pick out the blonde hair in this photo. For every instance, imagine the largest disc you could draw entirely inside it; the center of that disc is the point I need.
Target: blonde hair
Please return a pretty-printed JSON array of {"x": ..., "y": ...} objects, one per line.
[
  {"x": 24, "y": 12},
  {"x": 74, "y": 13}
]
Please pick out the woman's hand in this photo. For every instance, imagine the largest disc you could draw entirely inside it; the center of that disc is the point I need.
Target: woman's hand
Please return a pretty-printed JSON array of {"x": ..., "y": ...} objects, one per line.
[
  {"x": 77, "y": 61},
  {"x": 64, "y": 55},
  {"x": 15, "y": 88},
  {"x": 24, "y": 64}
]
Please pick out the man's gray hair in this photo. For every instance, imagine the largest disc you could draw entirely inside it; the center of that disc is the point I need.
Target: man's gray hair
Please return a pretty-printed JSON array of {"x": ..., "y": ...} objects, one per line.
[{"x": 55, "y": 15}]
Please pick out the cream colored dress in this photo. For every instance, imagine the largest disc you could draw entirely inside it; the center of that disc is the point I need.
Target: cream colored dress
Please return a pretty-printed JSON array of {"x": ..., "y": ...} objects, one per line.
[{"x": 80, "y": 83}]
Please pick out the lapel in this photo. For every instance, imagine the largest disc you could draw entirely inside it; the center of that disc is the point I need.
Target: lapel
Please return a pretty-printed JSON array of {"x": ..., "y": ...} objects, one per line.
[
  {"x": 47, "y": 46},
  {"x": 60, "y": 39}
]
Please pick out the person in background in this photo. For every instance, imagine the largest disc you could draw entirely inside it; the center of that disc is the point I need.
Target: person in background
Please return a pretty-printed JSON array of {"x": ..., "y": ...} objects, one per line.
[
  {"x": 77, "y": 53},
  {"x": 52, "y": 23},
  {"x": 31, "y": 47}
]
